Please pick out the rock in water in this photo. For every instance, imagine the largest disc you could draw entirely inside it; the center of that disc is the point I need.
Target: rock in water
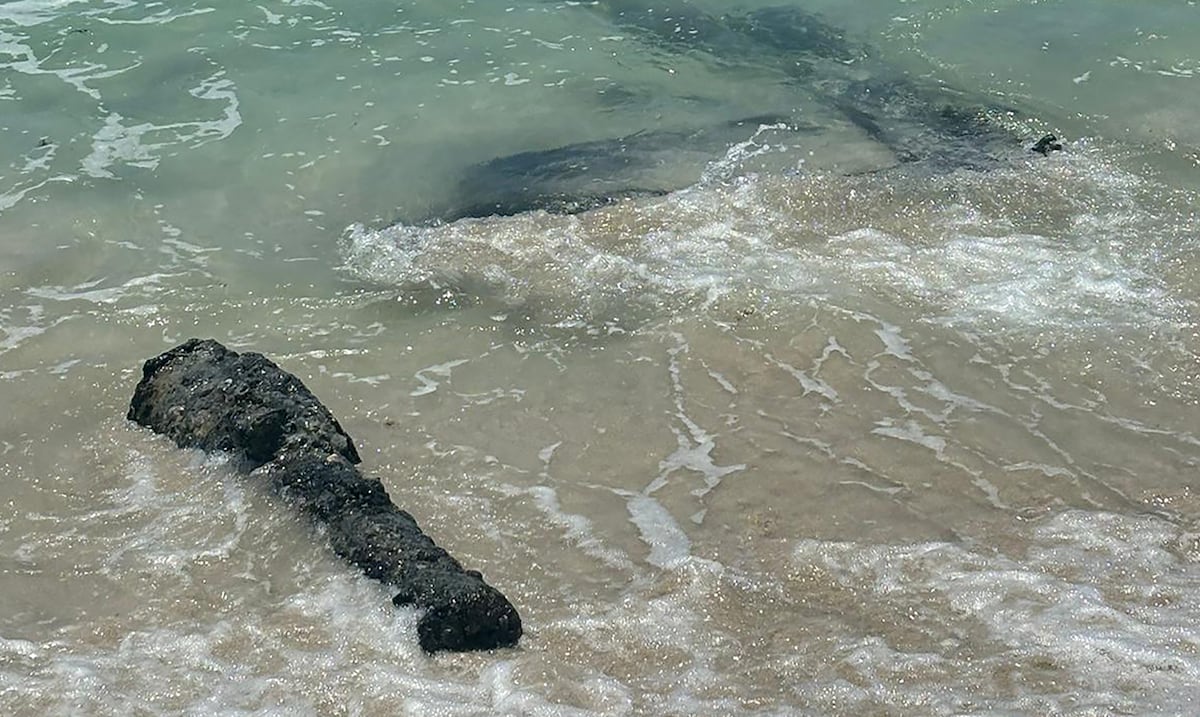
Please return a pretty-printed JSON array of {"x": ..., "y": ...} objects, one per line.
[
  {"x": 1046, "y": 145},
  {"x": 205, "y": 396}
]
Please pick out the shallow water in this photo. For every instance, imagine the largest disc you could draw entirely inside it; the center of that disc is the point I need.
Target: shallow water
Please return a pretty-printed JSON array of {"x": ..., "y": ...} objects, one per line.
[{"x": 819, "y": 431}]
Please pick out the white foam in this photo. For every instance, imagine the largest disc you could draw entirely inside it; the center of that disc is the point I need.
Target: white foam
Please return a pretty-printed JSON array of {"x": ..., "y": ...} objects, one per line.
[
  {"x": 159, "y": 17},
  {"x": 894, "y": 342},
  {"x": 77, "y": 75},
  {"x": 441, "y": 370},
  {"x": 808, "y": 383},
  {"x": 546, "y": 454},
  {"x": 1105, "y": 601},
  {"x": 669, "y": 545},
  {"x": 771, "y": 239},
  {"x": 578, "y": 528},
  {"x": 163, "y": 524},
  {"x": 694, "y": 444},
  {"x": 909, "y": 431},
  {"x": 92, "y": 292},
  {"x": 1100, "y": 605},
  {"x": 28, "y": 13},
  {"x": 119, "y": 143},
  {"x": 115, "y": 142},
  {"x": 738, "y": 155},
  {"x": 722, "y": 381},
  {"x": 11, "y": 197}
]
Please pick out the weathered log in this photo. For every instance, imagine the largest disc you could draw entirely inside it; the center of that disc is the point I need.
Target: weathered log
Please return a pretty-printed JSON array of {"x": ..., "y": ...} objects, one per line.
[{"x": 202, "y": 395}]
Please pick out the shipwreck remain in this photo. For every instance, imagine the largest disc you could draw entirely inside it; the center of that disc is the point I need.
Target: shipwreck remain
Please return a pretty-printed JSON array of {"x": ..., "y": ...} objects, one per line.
[{"x": 202, "y": 395}]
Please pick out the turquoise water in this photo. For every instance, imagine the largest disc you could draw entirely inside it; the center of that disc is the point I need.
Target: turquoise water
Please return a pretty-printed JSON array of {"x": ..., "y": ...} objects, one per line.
[{"x": 846, "y": 403}]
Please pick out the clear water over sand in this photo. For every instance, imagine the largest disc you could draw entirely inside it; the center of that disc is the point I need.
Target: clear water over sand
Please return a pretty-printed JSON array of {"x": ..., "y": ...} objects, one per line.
[{"x": 819, "y": 431}]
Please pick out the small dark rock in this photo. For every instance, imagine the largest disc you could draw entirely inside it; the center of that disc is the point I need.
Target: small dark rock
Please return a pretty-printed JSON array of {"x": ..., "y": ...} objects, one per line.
[{"x": 1046, "y": 145}]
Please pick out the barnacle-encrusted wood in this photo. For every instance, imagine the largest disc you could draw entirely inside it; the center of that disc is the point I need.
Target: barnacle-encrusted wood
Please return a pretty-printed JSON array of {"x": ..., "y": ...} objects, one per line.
[{"x": 202, "y": 395}]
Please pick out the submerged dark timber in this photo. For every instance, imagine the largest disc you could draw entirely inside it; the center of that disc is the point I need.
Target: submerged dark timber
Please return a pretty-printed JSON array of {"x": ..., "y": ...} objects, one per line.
[
  {"x": 579, "y": 177},
  {"x": 917, "y": 121},
  {"x": 836, "y": 80},
  {"x": 201, "y": 395}
]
